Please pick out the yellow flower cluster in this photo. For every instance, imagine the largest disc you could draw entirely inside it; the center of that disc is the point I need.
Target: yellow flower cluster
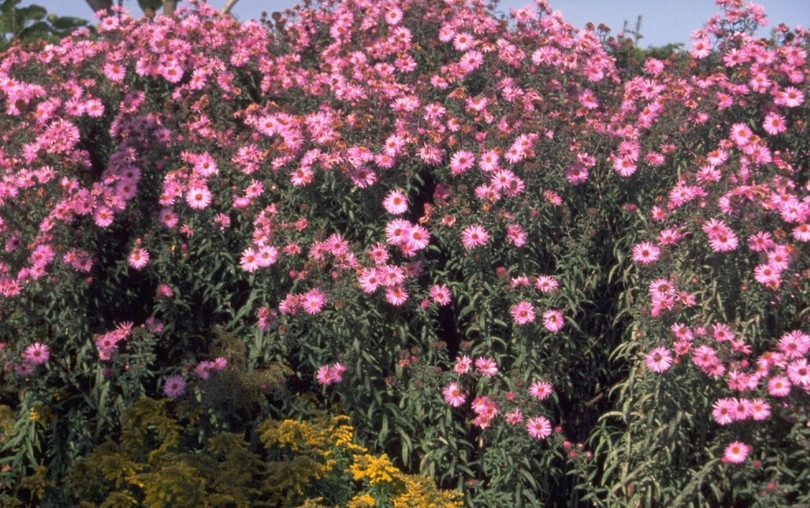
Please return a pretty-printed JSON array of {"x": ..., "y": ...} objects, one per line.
[{"x": 373, "y": 469}]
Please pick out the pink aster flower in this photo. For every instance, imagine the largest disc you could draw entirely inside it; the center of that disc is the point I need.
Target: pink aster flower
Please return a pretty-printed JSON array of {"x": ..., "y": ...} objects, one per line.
[
  {"x": 474, "y": 236},
  {"x": 198, "y": 197},
  {"x": 463, "y": 364},
  {"x": 396, "y": 231},
  {"x": 736, "y": 452},
  {"x": 417, "y": 238},
  {"x": 760, "y": 410},
  {"x": 546, "y": 283},
  {"x": 523, "y": 313},
  {"x": 539, "y": 427},
  {"x": 779, "y": 386},
  {"x": 645, "y": 253},
  {"x": 486, "y": 366},
  {"x": 174, "y": 387},
  {"x": 453, "y": 395},
  {"x": 395, "y": 202},
  {"x": 204, "y": 369},
  {"x": 139, "y": 258},
  {"x": 799, "y": 373},
  {"x": 36, "y": 354},
  {"x": 396, "y": 294},
  {"x": 514, "y": 417},
  {"x": 540, "y": 390},
  {"x": 250, "y": 260},
  {"x": 168, "y": 218},
  {"x": 440, "y": 294},
  {"x": 553, "y": 320},
  {"x": 461, "y": 161},
  {"x": 313, "y": 301},
  {"x": 774, "y": 124},
  {"x": 103, "y": 216},
  {"x": 723, "y": 411},
  {"x": 329, "y": 374},
  {"x": 659, "y": 359}
]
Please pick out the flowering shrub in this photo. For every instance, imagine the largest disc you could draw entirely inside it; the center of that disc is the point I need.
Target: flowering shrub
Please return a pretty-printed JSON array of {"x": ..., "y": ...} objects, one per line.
[
  {"x": 486, "y": 239},
  {"x": 300, "y": 462}
]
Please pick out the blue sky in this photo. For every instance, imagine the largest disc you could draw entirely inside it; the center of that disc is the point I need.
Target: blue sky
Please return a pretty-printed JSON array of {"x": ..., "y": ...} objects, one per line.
[{"x": 663, "y": 21}]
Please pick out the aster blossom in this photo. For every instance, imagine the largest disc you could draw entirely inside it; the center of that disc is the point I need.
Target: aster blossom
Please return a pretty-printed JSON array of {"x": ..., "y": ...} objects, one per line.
[
  {"x": 453, "y": 395},
  {"x": 474, "y": 236},
  {"x": 539, "y": 427},
  {"x": 36, "y": 354}
]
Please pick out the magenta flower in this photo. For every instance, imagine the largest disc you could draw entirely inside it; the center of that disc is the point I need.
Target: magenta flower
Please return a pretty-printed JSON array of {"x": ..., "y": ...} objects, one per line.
[
  {"x": 736, "y": 452},
  {"x": 453, "y": 395},
  {"x": 646, "y": 253},
  {"x": 174, "y": 387},
  {"x": 486, "y": 366},
  {"x": 539, "y": 427},
  {"x": 659, "y": 359},
  {"x": 553, "y": 320},
  {"x": 139, "y": 258},
  {"x": 198, "y": 197},
  {"x": 463, "y": 364},
  {"x": 313, "y": 301},
  {"x": 36, "y": 354},
  {"x": 523, "y": 313},
  {"x": 540, "y": 390},
  {"x": 474, "y": 236},
  {"x": 395, "y": 203}
]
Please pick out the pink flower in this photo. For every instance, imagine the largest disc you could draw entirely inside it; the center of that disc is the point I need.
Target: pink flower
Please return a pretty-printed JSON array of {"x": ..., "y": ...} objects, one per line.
[
  {"x": 198, "y": 197},
  {"x": 540, "y": 390},
  {"x": 267, "y": 255},
  {"x": 774, "y": 124},
  {"x": 249, "y": 261},
  {"x": 440, "y": 294},
  {"x": 514, "y": 417},
  {"x": 463, "y": 364},
  {"x": 103, "y": 216},
  {"x": 36, "y": 354},
  {"x": 329, "y": 374},
  {"x": 486, "y": 366},
  {"x": 659, "y": 359},
  {"x": 799, "y": 373},
  {"x": 646, "y": 253},
  {"x": 313, "y": 301},
  {"x": 474, "y": 236},
  {"x": 545, "y": 283},
  {"x": 395, "y": 202},
  {"x": 453, "y": 395},
  {"x": 723, "y": 411},
  {"x": 168, "y": 218},
  {"x": 523, "y": 313},
  {"x": 779, "y": 386},
  {"x": 204, "y": 369},
  {"x": 164, "y": 291},
  {"x": 174, "y": 387},
  {"x": 396, "y": 231},
  {"x": 417, "y": 238},
  {"x": 539, "y": 427},
  {"x": 736, "y": 452},
  {"x": 553, "y": 320},
  {"x": 396, "y": 295},
  {"x": 760, "y": 410},
  {"x": 461, "y": 162},
  {"x": 139, "y": 258}
]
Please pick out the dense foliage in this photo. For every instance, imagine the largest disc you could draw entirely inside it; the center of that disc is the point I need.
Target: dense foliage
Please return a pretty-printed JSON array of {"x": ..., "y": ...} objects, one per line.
[{"x": 527, "y": 260}]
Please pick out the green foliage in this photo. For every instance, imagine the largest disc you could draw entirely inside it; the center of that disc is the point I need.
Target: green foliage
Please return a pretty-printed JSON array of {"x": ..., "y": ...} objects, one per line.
[{"x": 32, "y": 23}]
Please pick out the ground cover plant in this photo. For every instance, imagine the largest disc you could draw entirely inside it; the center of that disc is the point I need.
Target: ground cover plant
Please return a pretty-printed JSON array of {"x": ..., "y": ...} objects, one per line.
[{"x": 532, "y": 262}]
